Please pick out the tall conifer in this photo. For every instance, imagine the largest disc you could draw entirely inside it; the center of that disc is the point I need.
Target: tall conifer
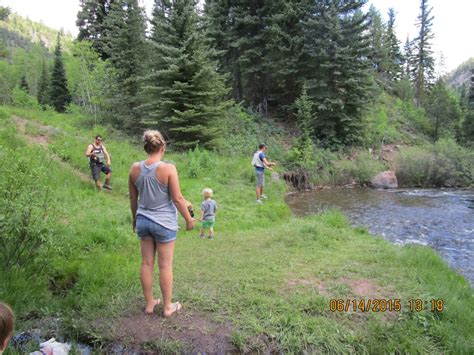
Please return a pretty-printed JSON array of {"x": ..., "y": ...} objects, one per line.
[
  {"x": 90, "y": 22},
  {"x": 59, "y": 95},
  {"x": 423, "y": 70},
  {"x": 336, "y": 50},
  {"x": 184, "y": 93},
  {"x": 126, "y": 49}
]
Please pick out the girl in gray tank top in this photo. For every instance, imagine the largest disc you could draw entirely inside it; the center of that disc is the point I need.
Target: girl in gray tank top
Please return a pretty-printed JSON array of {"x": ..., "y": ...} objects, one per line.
[{"x": 154, "y": 200}]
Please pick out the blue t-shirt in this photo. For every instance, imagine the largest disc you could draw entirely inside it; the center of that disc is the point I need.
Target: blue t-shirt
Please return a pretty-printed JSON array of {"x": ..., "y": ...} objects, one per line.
[{"x": 261, "y": 156}]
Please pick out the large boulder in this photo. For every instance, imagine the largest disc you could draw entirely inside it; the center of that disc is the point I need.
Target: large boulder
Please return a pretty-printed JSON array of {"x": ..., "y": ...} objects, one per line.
[{"x": 384, "y": 180}]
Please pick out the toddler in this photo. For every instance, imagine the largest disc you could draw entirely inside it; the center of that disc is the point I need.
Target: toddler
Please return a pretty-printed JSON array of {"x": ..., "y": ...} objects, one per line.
[{"x": 208, "y": 213}]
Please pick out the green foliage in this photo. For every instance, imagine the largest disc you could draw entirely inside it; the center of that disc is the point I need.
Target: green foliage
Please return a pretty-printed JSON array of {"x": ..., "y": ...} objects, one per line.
[
  {"x": 59, "y": 95},
  {"x": 125, "y": 46},
  {"x": 21, "y": 98},
  {"x": 43, "y": 88},
  {"x": 91, "y": 24},
  {"x": 443, "y": 164},
  {"x": 336, "y": 41},
  {"x": 423, "y": 60},
  {"x": 360, "y": 170},
  {"x": 184, "y": 94},
  {"x": 443, "y": 109},
  {"x": 25, "y": 210}
]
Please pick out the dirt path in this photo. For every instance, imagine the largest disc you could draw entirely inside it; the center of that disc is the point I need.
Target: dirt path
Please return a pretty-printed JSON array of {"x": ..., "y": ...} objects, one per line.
[{"x": 40, "y": 137}]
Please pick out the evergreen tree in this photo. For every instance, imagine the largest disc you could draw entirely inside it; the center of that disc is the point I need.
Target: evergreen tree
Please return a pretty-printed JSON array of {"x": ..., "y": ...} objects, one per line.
[
  {"x": 443, "y": 109},
  {"x": 336, "y": 50},
  {"x": 90, "y": 22},
  {"x": 285, "y": 41},
  {"x": 184, "y": 93},
  {"x": 407, "y": 59},
  {"x": 423, "y": 70},
  {"x": 302, "y": 152},
  {"x": 125, "y": 46},
  {"x": 59, "y": 95},
  {"x": 4, "y": 13},
  {"x": 468, "y": 123},
  {"x": 43, "y": 88},
  {"x": 24, "y": 84},
  {"x": 394, "y": 69},
  {"x": 378, "y": 51}
]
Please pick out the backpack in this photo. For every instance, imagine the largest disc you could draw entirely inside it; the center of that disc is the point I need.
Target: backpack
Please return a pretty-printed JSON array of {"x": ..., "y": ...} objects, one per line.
[{"x": 256, "y": 161}]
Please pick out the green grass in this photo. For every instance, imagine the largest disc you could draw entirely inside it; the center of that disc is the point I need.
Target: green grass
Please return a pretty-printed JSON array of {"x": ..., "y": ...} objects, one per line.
[{"x": 269, "y": 274}]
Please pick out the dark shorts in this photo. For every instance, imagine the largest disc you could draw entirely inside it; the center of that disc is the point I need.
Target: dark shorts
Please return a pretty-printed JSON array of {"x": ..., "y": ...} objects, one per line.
[
  {"x": 97, "y": 168},
  {"x": 148, "y": 229}
]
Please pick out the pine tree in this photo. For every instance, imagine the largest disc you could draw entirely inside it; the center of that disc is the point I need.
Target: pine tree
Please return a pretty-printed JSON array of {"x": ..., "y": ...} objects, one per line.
[
  {"x": 394, "y": 69},
  {"x": 184, "y": 93},
  {"x": 284, "y": 51},
  {"x": 336, "y": 50},
  {"x": 443, "y": 109},
  {"x": 43, "y": 87},
  {"x": 125, "y": 46},
  {"x": 378, "y": 50},
  {"x": 90, "y": 22},
  {"x": 468, "y": 123},
  {"x": 4, "y": 13},
  {"x": 423, "y": 70},
  {"x": 59, "y": 95},
  {"x": 24, "y": 84}
]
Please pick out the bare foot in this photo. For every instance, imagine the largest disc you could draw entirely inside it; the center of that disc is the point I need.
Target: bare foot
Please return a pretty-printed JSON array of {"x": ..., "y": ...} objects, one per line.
[
  {"x": 175, "y": 307},
  {"x": 152, "y": 309}
]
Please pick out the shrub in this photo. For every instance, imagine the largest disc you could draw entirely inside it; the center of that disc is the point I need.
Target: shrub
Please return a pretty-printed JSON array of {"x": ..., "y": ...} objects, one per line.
[
  {"x": 21, "y": 98},
  {"x": 25, "y": 210},
  {"x": 443, "y": 164},
  {"x": 360, "y": 170}
]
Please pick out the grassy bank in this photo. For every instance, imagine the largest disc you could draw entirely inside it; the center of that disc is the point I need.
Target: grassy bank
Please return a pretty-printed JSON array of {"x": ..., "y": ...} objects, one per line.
[{"x": 268, "y": 278}]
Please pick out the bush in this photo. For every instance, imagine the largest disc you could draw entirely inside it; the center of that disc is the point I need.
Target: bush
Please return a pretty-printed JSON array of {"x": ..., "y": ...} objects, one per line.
[
  {"x": 25, "y": 210},
  {"x": 360, "y": 170},
  {"x": 21, "y": 98},
  {"x": 443, "y": 164}
]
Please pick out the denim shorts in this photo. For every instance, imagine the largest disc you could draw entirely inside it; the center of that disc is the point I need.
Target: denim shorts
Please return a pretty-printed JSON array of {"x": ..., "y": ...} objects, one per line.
[{"x": 146, "y": 229}]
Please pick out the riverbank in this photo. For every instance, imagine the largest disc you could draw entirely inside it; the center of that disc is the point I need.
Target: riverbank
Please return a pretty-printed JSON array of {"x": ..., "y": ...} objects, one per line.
[{"x": 264, "y": 284}]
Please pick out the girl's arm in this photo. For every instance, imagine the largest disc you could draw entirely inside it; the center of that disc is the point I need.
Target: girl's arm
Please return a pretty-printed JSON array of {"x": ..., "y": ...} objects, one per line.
[
  {"x": 133, "y": 193},
  {"x": 177, "y": 197}
]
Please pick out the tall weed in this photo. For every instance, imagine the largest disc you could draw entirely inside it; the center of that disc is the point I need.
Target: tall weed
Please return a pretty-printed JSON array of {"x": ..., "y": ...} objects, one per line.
[{"x": 26, "y": 226}]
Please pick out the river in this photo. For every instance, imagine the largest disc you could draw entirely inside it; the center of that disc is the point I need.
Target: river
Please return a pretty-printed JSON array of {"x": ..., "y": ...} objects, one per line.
[{"x": 442, "y": 219}]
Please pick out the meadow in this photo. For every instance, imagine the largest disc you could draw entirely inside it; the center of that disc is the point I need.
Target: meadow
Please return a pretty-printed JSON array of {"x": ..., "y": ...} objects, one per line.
[{"x": 267, "y": 279}]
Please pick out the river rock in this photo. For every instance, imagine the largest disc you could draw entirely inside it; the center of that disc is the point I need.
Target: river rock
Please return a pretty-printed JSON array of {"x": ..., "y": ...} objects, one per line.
[{"x": 384, "y": 180}]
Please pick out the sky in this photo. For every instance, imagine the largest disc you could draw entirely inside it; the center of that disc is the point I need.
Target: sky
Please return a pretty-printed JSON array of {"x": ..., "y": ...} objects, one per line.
[{"x": 451, "y": 25}]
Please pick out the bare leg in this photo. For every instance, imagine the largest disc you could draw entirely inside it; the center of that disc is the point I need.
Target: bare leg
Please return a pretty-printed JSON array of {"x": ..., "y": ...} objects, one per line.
[
  {"x": 165, "y": 264},
  {"x": 257, "y": 192},
  {"x": 201, "y": 232},
  {"x": 97, "y": 184},
  {"x": 107, "y": 179},
  {"x": 146, "y": 274},
  {"x": 211, "y": 232}
]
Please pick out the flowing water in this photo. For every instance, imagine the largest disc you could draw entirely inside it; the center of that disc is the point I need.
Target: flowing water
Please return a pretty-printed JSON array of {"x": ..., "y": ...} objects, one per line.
[{"x": 442, "y": 219}]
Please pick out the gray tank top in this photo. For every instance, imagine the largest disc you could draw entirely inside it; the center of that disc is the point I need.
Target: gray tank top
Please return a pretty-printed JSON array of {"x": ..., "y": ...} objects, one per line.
[{"x": 154, "y": 200}]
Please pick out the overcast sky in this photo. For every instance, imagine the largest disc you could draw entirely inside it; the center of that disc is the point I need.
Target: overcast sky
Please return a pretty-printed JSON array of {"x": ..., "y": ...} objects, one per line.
[{"x": 453, "y": 33}]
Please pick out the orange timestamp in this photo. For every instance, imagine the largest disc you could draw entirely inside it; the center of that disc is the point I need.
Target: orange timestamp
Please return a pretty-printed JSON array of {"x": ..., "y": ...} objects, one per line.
[{"x": 384, "y": 305}]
